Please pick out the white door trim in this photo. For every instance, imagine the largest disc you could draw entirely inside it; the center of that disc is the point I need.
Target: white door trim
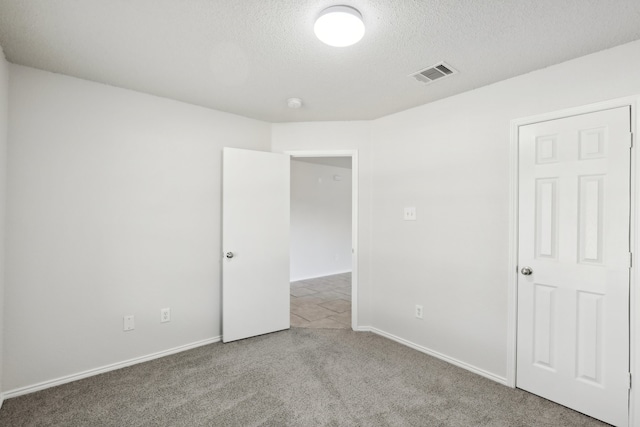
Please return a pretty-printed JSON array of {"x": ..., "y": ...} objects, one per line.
[
  {"x": 512, "y": 295},
  {"x": 354, "y": 218}
]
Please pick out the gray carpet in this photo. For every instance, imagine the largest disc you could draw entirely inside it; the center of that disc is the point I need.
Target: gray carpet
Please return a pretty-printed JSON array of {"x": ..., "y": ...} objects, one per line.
[{"x": 300, "y": 377}]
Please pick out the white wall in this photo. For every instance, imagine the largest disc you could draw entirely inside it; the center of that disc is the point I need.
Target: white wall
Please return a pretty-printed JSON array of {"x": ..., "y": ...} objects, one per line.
[
  {"x": 320, "y": 220},
  {"x": 4, "y": 119},
  {"x": 113, "y": 209},
  {"x": 450, "y": 159},
  {"x": 331, "y": 136}
]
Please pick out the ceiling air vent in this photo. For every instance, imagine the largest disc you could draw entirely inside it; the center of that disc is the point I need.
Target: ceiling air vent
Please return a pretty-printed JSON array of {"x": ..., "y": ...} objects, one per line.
[{"x": 433, "y": 73}]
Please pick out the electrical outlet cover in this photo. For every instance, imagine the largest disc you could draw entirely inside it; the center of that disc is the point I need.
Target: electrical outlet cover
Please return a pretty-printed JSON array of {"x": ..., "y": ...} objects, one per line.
[
  {"x": 129, "y": 323},
  {"x": 410, "y": 213},
  {"x": 165, "y": 315}
]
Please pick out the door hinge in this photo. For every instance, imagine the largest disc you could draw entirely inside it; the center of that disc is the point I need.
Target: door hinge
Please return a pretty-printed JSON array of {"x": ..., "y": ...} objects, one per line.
[
  {"x": 631, "y": 140},
  {"x": 630, "y": 259},
  {"x": 629, "y": 380}
]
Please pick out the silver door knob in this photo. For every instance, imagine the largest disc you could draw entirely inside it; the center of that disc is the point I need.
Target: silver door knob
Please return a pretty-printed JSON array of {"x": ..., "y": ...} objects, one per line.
[
  {"x": 527, "y": 271},
  {"x": 229, "y": 254}
]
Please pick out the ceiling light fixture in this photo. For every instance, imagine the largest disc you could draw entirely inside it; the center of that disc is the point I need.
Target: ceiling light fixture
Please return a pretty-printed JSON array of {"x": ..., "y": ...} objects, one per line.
[
  {"x": 339, "y": 26},
  {"x": 294, "y": 103}
]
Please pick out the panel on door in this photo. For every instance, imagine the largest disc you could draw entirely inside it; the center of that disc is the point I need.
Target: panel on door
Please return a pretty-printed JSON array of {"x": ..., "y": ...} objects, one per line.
[
  {"x": 573, "y": 256},
  {"x": 255, "y": 242}
]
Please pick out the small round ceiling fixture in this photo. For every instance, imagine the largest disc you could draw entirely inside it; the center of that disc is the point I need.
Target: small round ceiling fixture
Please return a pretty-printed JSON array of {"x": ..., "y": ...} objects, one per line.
[
  {"x": 294, "y": 103},
  {"x": 339, "y": 26}
]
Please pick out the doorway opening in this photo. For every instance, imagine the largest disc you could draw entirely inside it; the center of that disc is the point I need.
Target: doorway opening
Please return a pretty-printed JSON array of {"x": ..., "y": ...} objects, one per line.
[{"x": 323, "y": 240}]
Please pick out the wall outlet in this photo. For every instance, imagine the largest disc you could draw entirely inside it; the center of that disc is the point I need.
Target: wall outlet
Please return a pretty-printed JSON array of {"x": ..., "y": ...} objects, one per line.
[
  {"x": 165, "y": 315},
  {"x": 419, "y": 311},
  {"x": 410, "y": 213},
  {"x": 129, "y": 323}
]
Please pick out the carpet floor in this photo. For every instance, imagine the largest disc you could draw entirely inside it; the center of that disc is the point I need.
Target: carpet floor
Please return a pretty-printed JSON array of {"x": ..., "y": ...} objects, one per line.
[{"x": 299, "y": 377}]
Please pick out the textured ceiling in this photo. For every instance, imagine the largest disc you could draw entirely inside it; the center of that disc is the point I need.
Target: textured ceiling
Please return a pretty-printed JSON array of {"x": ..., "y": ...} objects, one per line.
[{"x": 249, "y": 56}]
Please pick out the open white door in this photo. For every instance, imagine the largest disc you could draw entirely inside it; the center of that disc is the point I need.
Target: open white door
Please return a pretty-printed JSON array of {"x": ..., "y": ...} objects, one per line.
[
  {"x": 255, "y": 242},
  {"x": 573, "y": 281}
]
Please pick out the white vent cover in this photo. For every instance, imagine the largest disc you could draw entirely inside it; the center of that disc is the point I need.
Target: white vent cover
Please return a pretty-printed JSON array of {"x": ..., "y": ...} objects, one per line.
[{"x": 435, "y": 72}]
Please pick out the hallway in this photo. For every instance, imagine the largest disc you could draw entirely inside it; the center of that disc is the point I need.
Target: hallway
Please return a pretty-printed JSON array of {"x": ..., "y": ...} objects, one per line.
[{"x": 324, "y": 302}]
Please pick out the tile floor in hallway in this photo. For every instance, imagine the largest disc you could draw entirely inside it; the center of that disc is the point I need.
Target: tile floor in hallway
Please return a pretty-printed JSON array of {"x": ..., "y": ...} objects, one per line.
[{"x": 324, "y": 302}]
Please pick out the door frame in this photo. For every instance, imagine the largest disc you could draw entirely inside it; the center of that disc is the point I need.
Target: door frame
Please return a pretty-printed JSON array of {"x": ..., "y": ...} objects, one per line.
[
  {"x": 634, "y": 295},
  {"x": 354, "y": 217}
]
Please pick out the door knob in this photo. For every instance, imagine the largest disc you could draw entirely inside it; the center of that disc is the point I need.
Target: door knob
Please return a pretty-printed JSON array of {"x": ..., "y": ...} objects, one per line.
[
  {"x": 229, "y": 254},
  {"x": 527, "y": 271}
]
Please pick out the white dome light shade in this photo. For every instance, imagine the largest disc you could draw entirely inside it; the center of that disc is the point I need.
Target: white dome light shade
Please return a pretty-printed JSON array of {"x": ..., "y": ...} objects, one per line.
[{"x": 339, "y": 26}]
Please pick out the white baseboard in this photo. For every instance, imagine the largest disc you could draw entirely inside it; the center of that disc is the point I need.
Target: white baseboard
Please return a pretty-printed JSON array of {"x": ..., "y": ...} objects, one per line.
[
  {"x": 91, "y": 372},
  {"x": 96, "y": 371},
  {"x": 299, "y": 279},
  {"x": 436, "y": 354}
]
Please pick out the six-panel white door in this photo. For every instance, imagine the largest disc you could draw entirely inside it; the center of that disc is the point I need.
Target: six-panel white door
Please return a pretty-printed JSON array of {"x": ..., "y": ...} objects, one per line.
[
  {"x": 255, "y": 241},
  {"x": 573, "y": 308}
]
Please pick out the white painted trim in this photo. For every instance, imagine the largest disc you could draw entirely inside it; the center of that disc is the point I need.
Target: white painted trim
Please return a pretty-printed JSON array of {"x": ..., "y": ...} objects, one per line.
[
  {"x": 324, "y": 275},
  {"x": 512, "y": 298},
  {"x": 512, "y": 278},
  {"x": 634, "y": 295},
  {"x": 97, "y": 371},
  {"x": 1, "y": 399},
  {"x": 436, "y": 354},
  {"x": 354, "y": 217},
  {"x": 441, "y": 356}
]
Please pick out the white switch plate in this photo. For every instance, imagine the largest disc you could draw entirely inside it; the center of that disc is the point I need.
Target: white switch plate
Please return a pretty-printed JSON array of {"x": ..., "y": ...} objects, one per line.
[
  {"x": 129, "y": 324},
  {"x": 165, "y": 315},
  {"x": 410, "y": 213}
]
